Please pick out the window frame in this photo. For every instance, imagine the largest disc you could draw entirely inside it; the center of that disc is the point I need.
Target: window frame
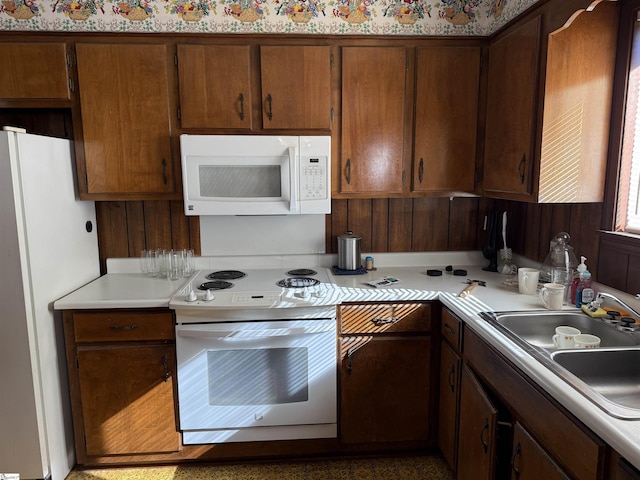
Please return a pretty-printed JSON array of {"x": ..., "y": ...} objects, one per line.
[{"x": 628, "y": 12}]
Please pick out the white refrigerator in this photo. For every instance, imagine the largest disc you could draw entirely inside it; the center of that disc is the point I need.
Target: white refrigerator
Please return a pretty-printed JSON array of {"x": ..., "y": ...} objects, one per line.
[{"x": 48, "y": 248}]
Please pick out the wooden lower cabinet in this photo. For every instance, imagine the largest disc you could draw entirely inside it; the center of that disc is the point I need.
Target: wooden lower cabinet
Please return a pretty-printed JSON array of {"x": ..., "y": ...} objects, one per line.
[
  {"x": 448, "y": 403},
  {"x": 477, "y": 430},
  {"x": 529, "y": 461},
  {"x": 385, "y": 387},
  {"x": 122, "y": 373}
]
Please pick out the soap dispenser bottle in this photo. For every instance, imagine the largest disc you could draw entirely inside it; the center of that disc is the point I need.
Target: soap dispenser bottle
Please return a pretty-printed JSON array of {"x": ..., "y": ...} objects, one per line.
[
  {"x": 577, "y": 284},
  {"x": 585, "y": 293}
]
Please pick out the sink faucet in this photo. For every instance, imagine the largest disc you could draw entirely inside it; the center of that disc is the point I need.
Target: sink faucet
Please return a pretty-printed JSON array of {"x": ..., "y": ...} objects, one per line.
[{"x": 602, "y": 295}]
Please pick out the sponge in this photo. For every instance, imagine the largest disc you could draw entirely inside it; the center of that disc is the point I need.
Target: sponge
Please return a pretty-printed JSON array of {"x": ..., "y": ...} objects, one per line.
[{"x": 599, "y": 313}]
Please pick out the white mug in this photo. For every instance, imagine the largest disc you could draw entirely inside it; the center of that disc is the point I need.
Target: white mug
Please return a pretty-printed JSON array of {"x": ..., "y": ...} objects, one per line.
[
  {"x": 565, "y": 337},
  {"x": 528, "y": 280},
  {"x": 586, "y": 340},
  {"x": 552, "y": 296}
]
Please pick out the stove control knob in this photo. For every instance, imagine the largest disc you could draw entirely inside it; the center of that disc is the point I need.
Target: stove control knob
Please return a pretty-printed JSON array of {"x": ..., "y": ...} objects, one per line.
[
  {"x": 302, "y": 293},
  {"x": 191, "y": 296},
  {"x": 208, "y": 296}
]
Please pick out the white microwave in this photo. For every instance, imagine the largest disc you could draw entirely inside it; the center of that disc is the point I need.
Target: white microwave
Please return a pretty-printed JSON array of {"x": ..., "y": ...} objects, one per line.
[{"x": 256, "y": 174}]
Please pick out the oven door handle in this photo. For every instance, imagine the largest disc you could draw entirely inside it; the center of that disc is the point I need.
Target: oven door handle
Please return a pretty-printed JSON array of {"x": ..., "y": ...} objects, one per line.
[{"x": 245, "y": 334}]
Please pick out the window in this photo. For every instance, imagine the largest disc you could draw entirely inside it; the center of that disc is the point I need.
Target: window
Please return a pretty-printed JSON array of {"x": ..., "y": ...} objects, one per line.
[{"x": 628, "y": 207}]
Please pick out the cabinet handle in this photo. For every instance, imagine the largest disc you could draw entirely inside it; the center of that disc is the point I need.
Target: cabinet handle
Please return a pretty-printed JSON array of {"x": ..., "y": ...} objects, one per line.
[
  {"x": 164, "y": 171},
  {"x": 349, "y": 361},
  {"x": 521, "y": 166},
  {"x": 241, "y": 107},
  {"x": 384, "y": 321},
  {"x": 516, "y": 454},
  {"x": 451, "y": 378},
  {"x": 269, "y": 106},
  {"x": 348, "y": 171},
  {"x": 123, "y": 328},
  {"x": 448, "y": 329},
  {"x": 165, "y": 364},
  {"x": 485, "y": 427},
  {"x": 421, "y": 170}
]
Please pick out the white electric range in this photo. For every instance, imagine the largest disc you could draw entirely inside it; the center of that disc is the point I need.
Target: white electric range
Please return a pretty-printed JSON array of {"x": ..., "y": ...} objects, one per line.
[{"x": 257, "y": 355}]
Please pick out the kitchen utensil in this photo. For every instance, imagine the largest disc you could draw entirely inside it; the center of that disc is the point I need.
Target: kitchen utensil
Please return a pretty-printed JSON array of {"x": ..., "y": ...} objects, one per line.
[
  {"x": 349, "y": 257},
  {"x": 490, "y": 251},
  {"x": 505, "y": 252}
]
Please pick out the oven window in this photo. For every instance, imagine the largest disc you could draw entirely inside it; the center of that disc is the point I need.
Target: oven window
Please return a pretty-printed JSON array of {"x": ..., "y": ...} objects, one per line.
[
  {"x": 268, "y": 376},
  {"x": 240, "y": 181}
]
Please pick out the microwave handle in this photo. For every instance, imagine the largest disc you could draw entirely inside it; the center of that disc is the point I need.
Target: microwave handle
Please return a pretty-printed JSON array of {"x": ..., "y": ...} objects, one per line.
[{"x": 293, "y": 182}]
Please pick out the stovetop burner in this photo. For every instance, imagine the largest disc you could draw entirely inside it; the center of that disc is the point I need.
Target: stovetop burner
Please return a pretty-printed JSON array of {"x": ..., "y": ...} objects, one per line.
[
  {"x": 226, "y": 275},
  {"x": 302, "y": 272},
  {"x": 298, "y": 282},
  {"x": 215, "y": 285}
]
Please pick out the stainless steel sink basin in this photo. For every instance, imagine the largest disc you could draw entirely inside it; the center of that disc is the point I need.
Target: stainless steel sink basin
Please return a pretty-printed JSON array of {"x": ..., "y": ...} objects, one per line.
[
  {"x": 611, "y": 373},
  {"x": 537, "y": 328},
  {"x": 609, "y": 376}
]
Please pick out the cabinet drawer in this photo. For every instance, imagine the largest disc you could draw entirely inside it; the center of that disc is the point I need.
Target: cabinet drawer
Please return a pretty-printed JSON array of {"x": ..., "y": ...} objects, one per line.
[
  {"x": 385, "y": 318},
  {"x": 450, "y": 329},
  {"x": 123, "y": 326}
]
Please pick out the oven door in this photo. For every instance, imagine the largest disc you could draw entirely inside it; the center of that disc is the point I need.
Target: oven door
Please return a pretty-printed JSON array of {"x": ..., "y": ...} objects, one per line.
[{"x": 239, "y": 375}]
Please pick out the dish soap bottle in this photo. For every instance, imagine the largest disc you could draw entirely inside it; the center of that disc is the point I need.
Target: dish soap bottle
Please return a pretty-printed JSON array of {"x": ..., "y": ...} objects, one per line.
[
  {"x": 584, "y": 292},
  {"x": 577, "y": 279}
]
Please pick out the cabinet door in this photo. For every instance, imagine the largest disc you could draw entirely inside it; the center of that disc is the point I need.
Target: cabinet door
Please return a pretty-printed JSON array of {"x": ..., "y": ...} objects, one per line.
[
  {"x": 373, "y": 115},
  {"x": 124, "y": 97},
  {"x": 128, "y": 399},
  {"x": 384, "y": 389},
  {"x": 296, "y": 87},
  {"x": 511, "y": 100},
  {"x": 476, "y": 431},
  {"x": 448, "y": 404},
  {"x": 215, "y": 86},
  {"x": 529, "y": 461},
  {"x": 33, "y": 71},
  {"x": 447, "y": 82}
]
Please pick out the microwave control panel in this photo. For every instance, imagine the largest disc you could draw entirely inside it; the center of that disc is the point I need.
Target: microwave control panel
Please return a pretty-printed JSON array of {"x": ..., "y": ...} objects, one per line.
[{"x": 313, "y": 178}]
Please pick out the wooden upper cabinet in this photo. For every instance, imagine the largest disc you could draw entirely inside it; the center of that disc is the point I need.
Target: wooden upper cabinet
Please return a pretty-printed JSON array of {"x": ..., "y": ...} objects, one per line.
[
  {"x": 215, "y": 86},
  {"x": 296, "y": 87},
  {"x": 34, "y": 71},
  {"x": 547, "y": 138},
  {"x": 513, "y": 70},
  {"x": 126, "y": 123},
  {"x": 447, "y": 82},
  {"x": 373, "y": 119}
]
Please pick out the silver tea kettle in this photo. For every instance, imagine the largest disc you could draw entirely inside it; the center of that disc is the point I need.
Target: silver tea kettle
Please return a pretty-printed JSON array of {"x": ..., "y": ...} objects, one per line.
[{"x": 349, "y": 256}]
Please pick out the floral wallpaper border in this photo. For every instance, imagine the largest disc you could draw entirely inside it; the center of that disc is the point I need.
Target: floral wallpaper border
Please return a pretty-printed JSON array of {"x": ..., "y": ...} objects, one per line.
[{"x": 335, "y": 17}]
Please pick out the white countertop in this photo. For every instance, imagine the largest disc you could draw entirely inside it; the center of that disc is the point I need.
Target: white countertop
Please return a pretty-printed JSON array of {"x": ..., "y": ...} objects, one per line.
[{"x": 127, "y": 289}]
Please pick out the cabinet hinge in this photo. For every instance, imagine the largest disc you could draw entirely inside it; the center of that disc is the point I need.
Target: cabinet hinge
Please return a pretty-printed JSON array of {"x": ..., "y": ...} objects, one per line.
[
  {"x": 404, "y": 176},
  {"x": 331, "y": 62},
  {"x": 331, "y": 116},
  {"x": 77, "y": 363},
  {"x": 179, "y": 113},
  {"x": 69, "y": 60},
  {"x": 86, "y": 181},
  {"x": 406, "y": 61},
  {"x": 481, "y": 61},
  {"x": 71, "y": 85},
  {"x": 175, "y": 59}
]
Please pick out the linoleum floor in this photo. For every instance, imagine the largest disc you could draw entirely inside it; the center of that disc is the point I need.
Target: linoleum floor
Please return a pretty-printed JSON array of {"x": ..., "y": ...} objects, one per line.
[{"x": 428, "y": 467}]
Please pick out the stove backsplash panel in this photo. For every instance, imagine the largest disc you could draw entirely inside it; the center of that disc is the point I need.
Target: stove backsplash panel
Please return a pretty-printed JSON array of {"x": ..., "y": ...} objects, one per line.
[{"x": 262, "y": 235}]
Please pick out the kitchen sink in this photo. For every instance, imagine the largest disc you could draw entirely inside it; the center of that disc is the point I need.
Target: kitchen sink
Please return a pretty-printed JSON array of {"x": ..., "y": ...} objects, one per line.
[
  {"x": 609, "y": 376},
  {"x": 611, "y": 373},
  {"x": 537, "y": 328}
]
